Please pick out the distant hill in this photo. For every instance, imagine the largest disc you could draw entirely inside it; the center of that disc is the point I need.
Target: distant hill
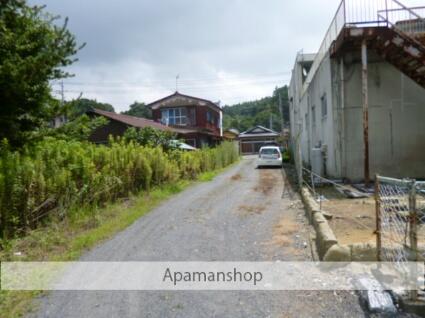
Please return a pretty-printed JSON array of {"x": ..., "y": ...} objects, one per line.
[{"x": 242, "y": 116}]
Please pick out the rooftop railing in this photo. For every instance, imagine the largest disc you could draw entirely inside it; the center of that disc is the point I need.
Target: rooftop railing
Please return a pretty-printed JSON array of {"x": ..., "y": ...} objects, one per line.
[{"x": 366, "y": 13}]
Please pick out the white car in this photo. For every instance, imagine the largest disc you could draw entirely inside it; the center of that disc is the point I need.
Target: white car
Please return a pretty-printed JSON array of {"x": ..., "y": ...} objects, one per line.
[{"x": 269, "y": 156}]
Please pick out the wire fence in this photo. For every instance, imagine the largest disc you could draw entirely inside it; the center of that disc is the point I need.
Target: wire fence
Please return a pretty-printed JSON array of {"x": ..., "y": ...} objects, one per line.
[
  {"x": 420, "y": 212},
  {"x": 400, "y": 221}
]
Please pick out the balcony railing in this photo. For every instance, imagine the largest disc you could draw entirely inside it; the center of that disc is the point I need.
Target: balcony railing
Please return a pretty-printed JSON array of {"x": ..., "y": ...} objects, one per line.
[{"x": 364, "y": 13}]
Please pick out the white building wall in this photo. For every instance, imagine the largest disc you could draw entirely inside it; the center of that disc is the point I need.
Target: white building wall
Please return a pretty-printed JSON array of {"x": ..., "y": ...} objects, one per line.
[
  {"x": 396, "y": 122},
  {"x": 318, "y": 127},
  {"x": 396, "y": 119}
]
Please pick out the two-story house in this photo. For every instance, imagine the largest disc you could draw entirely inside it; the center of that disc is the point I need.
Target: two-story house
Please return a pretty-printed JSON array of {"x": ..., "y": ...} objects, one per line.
[{"x": 201, "y": 118}]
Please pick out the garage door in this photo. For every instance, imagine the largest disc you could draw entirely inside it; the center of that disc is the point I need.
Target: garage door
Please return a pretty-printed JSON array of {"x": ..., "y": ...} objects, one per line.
[{"x": 251, "y": 147}]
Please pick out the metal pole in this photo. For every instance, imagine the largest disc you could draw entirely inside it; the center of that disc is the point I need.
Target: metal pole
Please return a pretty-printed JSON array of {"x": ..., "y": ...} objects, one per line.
[
  {"x": 378, "y": 219},
  {"x": 386, "y": 12},
  {"x": 281, "y": 114},
  {"x": 413, "y": 230},
  {"x": 299, "y": 159},
  {"x": 365, "y": 113},
  {"x": 300, "y": 166}
]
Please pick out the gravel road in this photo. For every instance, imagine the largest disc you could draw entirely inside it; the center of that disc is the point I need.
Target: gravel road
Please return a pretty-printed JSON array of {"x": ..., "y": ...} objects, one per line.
[{"x": 244, "y": 214}]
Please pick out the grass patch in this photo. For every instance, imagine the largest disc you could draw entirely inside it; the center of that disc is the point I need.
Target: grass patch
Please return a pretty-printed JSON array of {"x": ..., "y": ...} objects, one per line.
[{"x": 68, "y": 240}]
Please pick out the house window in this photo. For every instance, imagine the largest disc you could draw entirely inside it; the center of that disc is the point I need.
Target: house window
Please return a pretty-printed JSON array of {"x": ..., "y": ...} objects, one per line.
[
  {"x": 174, "y": 116},
  {"x": 324, "y": 106},
  {"x": 209, "y": 116}
]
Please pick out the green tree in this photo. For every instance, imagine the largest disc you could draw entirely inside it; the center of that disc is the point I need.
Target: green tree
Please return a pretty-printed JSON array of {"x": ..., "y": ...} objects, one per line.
[
  {"x": 139, "y": 110},
  {"x": 78, "y": 129},
  {"x": 152, "y": 137},
  {"x": 245, "y": 115},
  {"x": 34, "y": 49},
  {"x": 82, "y": 105}
]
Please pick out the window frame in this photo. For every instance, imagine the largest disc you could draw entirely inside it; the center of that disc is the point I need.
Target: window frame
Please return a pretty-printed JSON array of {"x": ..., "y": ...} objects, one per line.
[{"x": 177, "y": 116}]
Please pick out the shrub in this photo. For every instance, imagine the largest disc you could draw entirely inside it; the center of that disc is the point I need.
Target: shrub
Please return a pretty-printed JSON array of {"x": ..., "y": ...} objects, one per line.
[{"x": 54, "y": 177}]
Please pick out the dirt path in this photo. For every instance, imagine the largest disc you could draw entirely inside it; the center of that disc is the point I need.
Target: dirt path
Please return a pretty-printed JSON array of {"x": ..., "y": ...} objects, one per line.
[{"x": 239, "y": 216}]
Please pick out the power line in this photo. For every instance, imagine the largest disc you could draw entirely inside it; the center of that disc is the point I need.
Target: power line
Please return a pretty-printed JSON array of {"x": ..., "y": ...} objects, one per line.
[
  {"x": 217, "y": 86},
  {"x": 182, "y": 82}
]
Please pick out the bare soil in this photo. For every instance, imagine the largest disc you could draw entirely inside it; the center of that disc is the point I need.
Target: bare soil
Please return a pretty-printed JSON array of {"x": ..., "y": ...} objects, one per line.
[
  {"x": 236, "y": 177},
  {"x": 283, "y": 232},
  {"x": 267, "y": 181},
  {"x": 353, "y": 220},
  {"x": 245, "y": 210}
]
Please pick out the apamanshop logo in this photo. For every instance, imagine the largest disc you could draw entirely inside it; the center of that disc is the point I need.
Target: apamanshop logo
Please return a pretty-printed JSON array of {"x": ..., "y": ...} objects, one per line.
[
  {"x": 234, "y": 276},
  {"x": 210, "y": 276}
]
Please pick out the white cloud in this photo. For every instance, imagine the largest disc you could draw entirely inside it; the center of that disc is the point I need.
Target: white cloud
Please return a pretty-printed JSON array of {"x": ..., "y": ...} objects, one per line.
[{"x": 228, "y": 50}]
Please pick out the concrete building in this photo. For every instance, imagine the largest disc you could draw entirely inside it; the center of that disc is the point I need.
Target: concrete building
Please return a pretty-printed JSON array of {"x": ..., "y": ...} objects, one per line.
[{"x": 357, "y": 107}]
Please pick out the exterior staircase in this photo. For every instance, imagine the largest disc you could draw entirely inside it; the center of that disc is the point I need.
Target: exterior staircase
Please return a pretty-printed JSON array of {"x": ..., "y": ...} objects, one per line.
[
  {"x": 398, "y": 36},
  {"x": 403, "y": 45}
]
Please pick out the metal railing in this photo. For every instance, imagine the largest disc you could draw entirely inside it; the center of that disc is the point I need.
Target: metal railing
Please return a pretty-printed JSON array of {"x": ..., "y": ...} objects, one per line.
[
  {"x": 315, "y": 183},
  {"x": 364, "y": 13}
]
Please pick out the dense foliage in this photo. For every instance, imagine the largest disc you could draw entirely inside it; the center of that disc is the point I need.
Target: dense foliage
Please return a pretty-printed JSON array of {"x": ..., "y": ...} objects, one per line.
[
  {"x": 139, "y": 110},
  {"x": 56, "y": 177},
  {"x": 33, "y": 51},
  {"x": 82, "y": 105},
  {"x": 249, "y": 114},
  {"x": 149, "y": 136},
  {"x": 78, "y": 129}
]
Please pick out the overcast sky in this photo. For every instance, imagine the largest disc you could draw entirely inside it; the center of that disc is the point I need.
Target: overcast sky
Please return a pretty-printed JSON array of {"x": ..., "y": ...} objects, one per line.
[{"x": 227, "y": 50}]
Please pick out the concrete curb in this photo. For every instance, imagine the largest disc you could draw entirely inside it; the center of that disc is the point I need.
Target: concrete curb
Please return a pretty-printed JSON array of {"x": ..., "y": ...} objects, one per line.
[
  {"x": 327, "y": 244},
  {"x": 325, "y": 238},
  {"x": 330, "y": 250}
]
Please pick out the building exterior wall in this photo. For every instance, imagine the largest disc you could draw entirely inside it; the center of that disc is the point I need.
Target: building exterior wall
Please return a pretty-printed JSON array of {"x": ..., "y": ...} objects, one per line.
[
  {"x": 102, "y": 133},
  {"x": 201, "y": 119},
  {"x": 396, "y": 122},
  {"x": 316, "y": 127},
  {"x": 252, "y": 145},
  {"x": 197, "y": 118},
  {"x": 396, "y": 119}
]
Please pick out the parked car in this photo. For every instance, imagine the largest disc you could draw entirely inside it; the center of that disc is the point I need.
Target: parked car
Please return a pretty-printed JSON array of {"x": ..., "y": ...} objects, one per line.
[{"x": 269, "y": 156}]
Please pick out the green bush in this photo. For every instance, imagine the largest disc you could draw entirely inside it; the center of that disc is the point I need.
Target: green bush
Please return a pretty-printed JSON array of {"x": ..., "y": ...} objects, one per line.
[
  {"x": 55, "y": 177},
  {"x": 286, "y": 156}
]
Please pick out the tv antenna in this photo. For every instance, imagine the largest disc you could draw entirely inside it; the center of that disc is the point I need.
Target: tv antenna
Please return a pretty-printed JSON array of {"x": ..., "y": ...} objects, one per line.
[{"x": 177, "y": 82}]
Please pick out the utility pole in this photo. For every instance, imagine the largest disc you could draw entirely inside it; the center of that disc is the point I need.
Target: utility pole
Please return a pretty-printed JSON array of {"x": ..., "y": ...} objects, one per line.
[
  {"x": 281, "y": 113},
  {"x": 177, "y": 82},
  {"x": 62, "y": 94},
  {"x": 271, "y": 122},
  {"x": 365, "y": 113}
]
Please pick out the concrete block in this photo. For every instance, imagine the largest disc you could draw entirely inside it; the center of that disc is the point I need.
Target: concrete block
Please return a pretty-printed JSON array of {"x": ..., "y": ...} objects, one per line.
[
  {"x": 363, "y": 252},
  {"x": 325, "y": 238},
  {"x": 309, "y": 202},
  {"x": 338, "y": 253},
  {"x": 318, "y": 218},
  {"x": 377, "y": 299}
]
